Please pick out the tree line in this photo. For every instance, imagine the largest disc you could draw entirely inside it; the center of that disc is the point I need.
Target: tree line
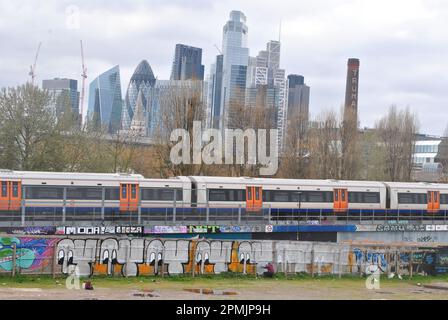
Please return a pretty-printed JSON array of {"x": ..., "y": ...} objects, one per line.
[{"x": 35, "y": 137}]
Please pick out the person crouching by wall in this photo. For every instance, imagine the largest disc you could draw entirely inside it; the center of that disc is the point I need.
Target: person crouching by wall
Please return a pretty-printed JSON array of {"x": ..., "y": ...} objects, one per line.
[{"x": 269, "y": 273}]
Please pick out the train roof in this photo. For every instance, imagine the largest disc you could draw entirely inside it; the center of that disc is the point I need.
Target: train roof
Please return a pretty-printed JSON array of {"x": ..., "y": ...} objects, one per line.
[
  {"x": 42, "y": 175},
  {"x": 417, "y": 185},
  {"x": 276, "y": 181}
]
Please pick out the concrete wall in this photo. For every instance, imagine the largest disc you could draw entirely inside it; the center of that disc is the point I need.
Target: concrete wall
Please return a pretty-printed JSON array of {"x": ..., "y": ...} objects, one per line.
[
  {"x": 388, "y": 237},
  {"x": 148, "y": 256}
]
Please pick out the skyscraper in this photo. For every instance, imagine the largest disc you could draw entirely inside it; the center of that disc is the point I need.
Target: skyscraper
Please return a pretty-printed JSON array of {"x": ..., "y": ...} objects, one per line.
[
  {"x": 235, "y": 60},
  {"x": 167, "y": 96},
  {"x": 187, "y": 63},
  {"x": 298, "y": 102},
  {"x": 64, "y": 93},
  {"x": 266, "y": 85},
  {"x": 105, "y": 103},
  {"x": 141, "y": 81},
  {"x": 215, "y": 92},
  {"x": 351, "y": 90}
]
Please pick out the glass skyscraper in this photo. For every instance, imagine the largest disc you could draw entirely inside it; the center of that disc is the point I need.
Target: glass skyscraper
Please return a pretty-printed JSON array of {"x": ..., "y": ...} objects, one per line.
[
  {"x": 105, "y": 102},
  {"x": 187, "y": 63},
  {"x": 235, "y": 61},
  {"x": 64, "y": 93},
  {"x": 298, "y": 102},
  {"x": 142, "y": 80}
]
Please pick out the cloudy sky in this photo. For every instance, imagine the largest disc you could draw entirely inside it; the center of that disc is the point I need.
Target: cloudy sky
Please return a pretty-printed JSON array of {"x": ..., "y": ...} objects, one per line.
[{"x": 402, "y": 44}]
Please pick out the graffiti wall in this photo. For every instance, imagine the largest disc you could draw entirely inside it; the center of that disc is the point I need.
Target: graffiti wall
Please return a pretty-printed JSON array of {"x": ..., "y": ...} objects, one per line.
[
  {"x": 31, "y": 254},
  {"x": 114, "y": 256}
]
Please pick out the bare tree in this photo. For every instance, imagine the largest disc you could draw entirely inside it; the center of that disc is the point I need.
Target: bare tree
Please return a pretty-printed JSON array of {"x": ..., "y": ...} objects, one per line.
[
  {"x": 350, "y": 148},
  {"x": 295, "y": 154},
  {"x": 180, "y": 107},
  {"x": 325, "y": 147},
  {"x": 397, "y": 132}
]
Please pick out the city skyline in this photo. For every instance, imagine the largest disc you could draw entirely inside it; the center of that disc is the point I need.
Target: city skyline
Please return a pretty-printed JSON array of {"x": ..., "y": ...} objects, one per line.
[{"x": 393, "y": 41}]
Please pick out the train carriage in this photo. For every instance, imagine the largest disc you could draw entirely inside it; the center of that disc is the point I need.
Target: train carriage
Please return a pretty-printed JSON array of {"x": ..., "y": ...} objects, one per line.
[{"x": 52, "y": 196}]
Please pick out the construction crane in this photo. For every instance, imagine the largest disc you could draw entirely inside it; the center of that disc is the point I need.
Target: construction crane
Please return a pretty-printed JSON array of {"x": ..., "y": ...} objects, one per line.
[
  {"x": 218, "y": 49},
  {"x": 84, "y": 77},
  {"x": 32, "y": 72}
]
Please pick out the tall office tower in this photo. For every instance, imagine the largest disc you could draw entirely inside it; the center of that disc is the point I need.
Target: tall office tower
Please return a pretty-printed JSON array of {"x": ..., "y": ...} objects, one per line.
[
  {"x": 141, "y": 81},
  {"x": 266, "y": 85},
  {"x": 161, "y": 98},
  {"x": 351, "y": 91},
  {"x": 298, "y": 102},
  {"x": 235, "y": 61},
  {"x": 215, "y": 92},
  {"x": 64, "y": 93},
  {"x": 105, "y": 103},
  {"x": 187, "y": 63}
]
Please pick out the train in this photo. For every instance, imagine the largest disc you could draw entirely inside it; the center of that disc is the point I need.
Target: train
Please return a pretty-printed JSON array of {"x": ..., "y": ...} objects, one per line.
[{"x": 24, "y": 193}]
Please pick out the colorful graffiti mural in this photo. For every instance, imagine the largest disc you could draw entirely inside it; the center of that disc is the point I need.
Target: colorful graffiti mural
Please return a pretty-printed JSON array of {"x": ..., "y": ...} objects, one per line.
[
  {"x": 151, "y": 256},
  {"x": 31, "y": 253}
]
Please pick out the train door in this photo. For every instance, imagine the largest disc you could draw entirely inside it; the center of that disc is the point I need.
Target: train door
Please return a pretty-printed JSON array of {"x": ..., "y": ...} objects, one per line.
[
  {"x": 254, "y": 198},
  {"x": 10, "y": 195},
  {"x": 129, "y": 196},
  {"x": 433, "y": 201},
  {"x": 340, "y": 200}
]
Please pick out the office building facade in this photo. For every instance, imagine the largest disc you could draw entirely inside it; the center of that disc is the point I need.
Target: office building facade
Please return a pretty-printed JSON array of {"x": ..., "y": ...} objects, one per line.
[
  {"x": 105, "y": 102},
  {"x": 64, "y": 94},
  {"x": 187, "y": 63},
  {"x": 142, "y": 80}
]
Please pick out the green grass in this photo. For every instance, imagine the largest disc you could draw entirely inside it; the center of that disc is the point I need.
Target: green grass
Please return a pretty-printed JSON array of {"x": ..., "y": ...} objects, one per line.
[{"x": 215, "y": 281}]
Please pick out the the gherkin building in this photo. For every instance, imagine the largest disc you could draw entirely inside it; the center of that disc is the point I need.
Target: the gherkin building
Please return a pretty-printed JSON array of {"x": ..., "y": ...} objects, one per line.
[{"x": 142, "y": 80}]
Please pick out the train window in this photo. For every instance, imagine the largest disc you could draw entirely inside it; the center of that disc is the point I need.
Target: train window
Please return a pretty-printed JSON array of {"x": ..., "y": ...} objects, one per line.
[
  {"x": 266, "y": 195},
  {"x": 166, "y": 194},
  {"x": 280, "y": 196},
  {"x": 257, "y": 193},
  {"x": 315, "y": 196},
  {"x": 15, "y": 189},
  {"x": 4, "y": 189},
  {"x": 84, "y": 193},
  {"x": 443, "y": 198},
  {"x": 226, "y": 195},
  {"x": 52, "y": 193},
  {"x": 217, "y": 195},
  {"x": 112, "y": 194},
  {"x": 371, "y": 197},
  {"x": 134, "y": 191},
  {"x": 297, "y": 196},
  {"x": 364, "y": 197},
  {"x": 420, "y": 198},
  {"x": 413, "y": 198},
  {"x": 405, "y": 198},
  {"x": 179, "y": 194},
  {"x": 124, "y": 194}
]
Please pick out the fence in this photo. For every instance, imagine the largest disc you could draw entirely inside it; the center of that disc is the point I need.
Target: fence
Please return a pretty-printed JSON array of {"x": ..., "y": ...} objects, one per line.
[
  {"x": 159, "y": 214},
  {"x": 149, "y": 257}
]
